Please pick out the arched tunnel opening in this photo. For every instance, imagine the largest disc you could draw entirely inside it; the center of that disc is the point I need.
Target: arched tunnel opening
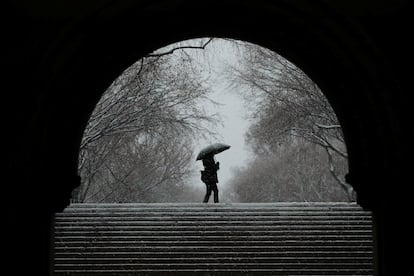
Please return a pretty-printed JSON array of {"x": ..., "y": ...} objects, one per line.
[
  {"x": 74, "y": 51},
  {"x": 141, "y": 141},
  {"x": 297, "y": 213}
]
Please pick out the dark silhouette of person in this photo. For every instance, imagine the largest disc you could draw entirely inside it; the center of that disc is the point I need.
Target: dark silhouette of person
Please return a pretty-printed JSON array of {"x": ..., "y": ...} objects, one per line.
[{"x": 209, "y": 177}]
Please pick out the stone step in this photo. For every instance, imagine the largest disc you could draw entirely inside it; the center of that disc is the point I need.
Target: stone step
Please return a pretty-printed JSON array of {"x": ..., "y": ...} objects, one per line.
[
  {"x": 115, "y": 245},
  {"x": 211, "y": 265},
  {"x": 212, "y": 207},
  {"x": 195, "y": 207},
  {"x": 218, "y": 248},
  {"x": 169, "y": 237},
  {"x": 213, "y": 223},
  {"x": 297, "y": 232},
  {"x": 243, "y": 228},
  {"x": 219, "y": 272},
  {"x": 212, "y": 259},
  {"x": 216, "y": 218},
  {"x": 352, "y": 255},
  {"x": 218, "y": 205}
]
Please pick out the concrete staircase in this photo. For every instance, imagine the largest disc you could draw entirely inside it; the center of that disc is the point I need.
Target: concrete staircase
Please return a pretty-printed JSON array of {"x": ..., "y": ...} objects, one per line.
[{"x": 214, "y": 239}]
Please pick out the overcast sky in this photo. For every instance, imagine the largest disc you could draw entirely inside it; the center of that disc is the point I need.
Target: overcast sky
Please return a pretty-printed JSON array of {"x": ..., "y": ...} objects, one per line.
[
  {"x": 232, "y": 132},
  {"x": 231, "y": 109}
]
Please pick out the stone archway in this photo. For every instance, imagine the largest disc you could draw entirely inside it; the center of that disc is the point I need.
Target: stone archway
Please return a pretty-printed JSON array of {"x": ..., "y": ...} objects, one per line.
[
  {"x": 73, "y": 52},
  {"x": 324, "y": 48}
]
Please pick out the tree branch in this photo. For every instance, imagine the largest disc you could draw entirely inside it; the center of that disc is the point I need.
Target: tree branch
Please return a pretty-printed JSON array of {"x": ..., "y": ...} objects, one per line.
[{"x": 158, "y": 55}]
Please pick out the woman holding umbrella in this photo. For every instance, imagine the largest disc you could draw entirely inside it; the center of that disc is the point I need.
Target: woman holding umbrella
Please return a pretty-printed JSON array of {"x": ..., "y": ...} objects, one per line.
[{"x": 209, "y": 175}]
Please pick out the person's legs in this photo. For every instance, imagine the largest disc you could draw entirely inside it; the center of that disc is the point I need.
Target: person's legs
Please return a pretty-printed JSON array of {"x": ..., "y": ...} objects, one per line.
[
  {"x": 208, "y": 193},
  {"x": 215, "y": 190}
]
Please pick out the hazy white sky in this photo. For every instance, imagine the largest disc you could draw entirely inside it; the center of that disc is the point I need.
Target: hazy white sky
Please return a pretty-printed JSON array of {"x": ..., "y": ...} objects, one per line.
[
  {"x": 232, "y": 132},
  {"x": 231, "y": 109}
]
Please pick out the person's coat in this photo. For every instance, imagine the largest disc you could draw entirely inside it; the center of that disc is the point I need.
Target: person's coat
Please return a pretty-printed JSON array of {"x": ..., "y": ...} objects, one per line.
[{"x": 209, "y": 175}]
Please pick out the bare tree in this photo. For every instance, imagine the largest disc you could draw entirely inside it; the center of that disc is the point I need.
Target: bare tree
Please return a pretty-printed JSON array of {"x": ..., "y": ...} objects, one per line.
[
  {"x": 294, "y": 173},
  {"x": 141, "y": 132},
  {"x": 285, "y": 103}
]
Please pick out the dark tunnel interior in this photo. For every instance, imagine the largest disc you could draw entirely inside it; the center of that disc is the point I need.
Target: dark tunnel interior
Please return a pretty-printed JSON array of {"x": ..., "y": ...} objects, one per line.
[{"x": 59, "y": 58}]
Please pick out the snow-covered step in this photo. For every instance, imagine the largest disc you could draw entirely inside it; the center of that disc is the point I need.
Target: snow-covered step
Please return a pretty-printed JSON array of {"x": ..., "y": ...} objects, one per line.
[
  {"x": 196, "y": 207},
  {"x": 214, "y": 239}
]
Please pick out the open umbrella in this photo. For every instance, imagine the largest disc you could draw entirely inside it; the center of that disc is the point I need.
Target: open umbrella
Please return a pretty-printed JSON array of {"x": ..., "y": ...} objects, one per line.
[{"x": 211, "y": 150}]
